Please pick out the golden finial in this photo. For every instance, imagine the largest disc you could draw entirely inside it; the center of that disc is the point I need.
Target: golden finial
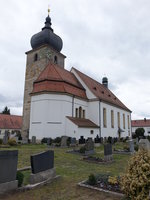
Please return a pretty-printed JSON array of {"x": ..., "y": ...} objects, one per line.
[{"x": 48, "y": 9}]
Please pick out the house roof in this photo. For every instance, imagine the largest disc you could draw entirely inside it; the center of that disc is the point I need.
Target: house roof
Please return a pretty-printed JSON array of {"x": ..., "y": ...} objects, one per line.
[
  {"x": 10, "y": 121},
  {"x": 56, "y": 79},
  {"x": 141, "y": 123},
  {"x": 82, "y": 122},
  {"x": 100, "y": 91}
]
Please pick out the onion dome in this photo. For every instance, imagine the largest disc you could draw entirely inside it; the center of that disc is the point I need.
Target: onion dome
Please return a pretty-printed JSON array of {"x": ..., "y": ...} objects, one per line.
[{"x": 47, "y": 36}]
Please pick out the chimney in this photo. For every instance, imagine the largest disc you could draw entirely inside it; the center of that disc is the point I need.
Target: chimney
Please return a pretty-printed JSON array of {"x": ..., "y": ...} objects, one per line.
[
  {"x": 105, "y": 82},
  {"x": 144, "y": 119}
]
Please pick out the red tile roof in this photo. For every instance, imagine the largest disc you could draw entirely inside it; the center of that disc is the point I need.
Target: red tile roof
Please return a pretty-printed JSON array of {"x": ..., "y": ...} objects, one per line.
[
  {"x": 56, "y": 79},
  {"x": 100, "y": 91},
  {"x": 10, "y": 121},
  {"x": 140, "y": 123},
  {"x": 81, "y": 122}
]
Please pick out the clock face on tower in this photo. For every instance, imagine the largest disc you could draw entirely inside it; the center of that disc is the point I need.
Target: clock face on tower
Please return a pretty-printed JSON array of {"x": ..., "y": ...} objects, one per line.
[{"x": 46, "y": 53}]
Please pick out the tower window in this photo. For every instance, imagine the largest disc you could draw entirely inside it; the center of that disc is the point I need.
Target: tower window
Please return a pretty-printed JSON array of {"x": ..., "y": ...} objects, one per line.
[
  {"x": 35, "y": 57},
  {"x": 55, "y": 60}
]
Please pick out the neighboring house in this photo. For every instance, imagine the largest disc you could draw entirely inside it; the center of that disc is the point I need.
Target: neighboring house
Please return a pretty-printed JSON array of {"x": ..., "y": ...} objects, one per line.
[
  {"x": 145, "y": 123},
  {"x": 59, "y": 102},
  {"x": 11, "y": 124}
]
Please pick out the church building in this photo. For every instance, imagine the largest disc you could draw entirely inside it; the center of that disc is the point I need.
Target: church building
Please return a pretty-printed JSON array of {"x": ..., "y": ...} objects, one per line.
[{"x": 59, "y": 102}]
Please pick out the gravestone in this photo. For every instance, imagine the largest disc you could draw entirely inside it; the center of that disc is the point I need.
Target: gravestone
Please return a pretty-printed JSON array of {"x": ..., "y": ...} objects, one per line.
[
  {"x": 108, "y": 152},
  {"x": 137, "y": 141},
  {"x": 89, "y": 147},
  {"x": 42, "y": 167},
  {"x": 144, "y": 144},
  {"x": 101, "y": 140},
  {"x": 81, "y": 140},
  {"x": 5, "y": 138},
  {"x": 131, "y": 146},
  {"x": 8, "y": 170},
  {"x": 48, "y": 141},
  {"x": 73, "y": 142},
  {"x": 33, "y": 139},
  {"x": 64, "y": 141}
]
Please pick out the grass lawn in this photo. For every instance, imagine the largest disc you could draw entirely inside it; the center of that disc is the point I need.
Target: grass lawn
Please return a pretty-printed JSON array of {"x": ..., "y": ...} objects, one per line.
[{"x": 72, "y": 171}]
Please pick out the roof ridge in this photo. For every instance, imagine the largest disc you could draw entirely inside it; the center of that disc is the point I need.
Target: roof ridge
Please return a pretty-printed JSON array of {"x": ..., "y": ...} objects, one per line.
[{"x": 101, "y": 86}]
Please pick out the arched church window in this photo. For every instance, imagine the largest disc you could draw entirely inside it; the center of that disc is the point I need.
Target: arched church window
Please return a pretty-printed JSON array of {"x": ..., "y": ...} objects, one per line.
[
  {"x": 80, "y": 112},
  {"x": 83, "y": 113},
  {"x": 35, "y": 57},
  {"x": 76, "y": 112},
  {"x": 55, "y": 60}
]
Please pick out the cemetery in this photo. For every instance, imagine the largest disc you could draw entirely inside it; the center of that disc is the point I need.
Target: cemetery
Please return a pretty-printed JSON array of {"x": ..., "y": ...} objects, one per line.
[{"x": 51, "y": 172}]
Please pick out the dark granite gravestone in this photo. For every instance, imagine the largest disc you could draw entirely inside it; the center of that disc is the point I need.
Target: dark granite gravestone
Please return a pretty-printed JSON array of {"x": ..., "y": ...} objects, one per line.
[
  {"x": 8, "y": 170},
  {"x": 33, "y": 139},
  {"x": 97, "y": 139},
  {"x": 81, "y": 140},
  {"x": 42, "y": 161},
  {"x": 108, "y": 152},
  {"x": 42, "y": 166}
]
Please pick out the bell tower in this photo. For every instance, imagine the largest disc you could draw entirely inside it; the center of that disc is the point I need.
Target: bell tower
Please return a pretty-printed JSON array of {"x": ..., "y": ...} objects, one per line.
[{"x": 46, "y": 47}]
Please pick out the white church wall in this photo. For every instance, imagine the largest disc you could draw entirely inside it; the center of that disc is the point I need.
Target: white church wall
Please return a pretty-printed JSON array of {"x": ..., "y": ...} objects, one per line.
[
  {"x": 93, "y": 111},
  {"x": 113, "y": 132},
  {"x": 71, "y": 129},
  {"x": 80, "y": 103},
  {"x": 48, "y": 113}
]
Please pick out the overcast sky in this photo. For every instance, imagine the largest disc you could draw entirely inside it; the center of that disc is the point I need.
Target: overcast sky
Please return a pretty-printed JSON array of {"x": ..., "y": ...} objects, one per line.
[{"x": 100, "y": 37}]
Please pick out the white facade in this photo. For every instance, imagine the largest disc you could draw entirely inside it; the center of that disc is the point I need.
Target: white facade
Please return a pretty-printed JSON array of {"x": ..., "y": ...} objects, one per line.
[
  {"x": 113, "y": 131},
  {"x": 49, "y": 117}
]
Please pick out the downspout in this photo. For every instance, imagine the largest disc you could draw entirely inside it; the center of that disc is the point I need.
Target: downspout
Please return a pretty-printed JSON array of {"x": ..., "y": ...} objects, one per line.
[
  {"x": 73, "y": 106},
  {"x": 130, "y": 127},
  {"x": 100, "y": 119}
]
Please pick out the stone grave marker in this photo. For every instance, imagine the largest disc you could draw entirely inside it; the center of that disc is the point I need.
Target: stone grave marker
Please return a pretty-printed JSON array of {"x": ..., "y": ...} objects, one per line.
[
  {"x": 5, "y": 138},
  {"x": 42, "y": 166},
  {"x": 144, "y": 144},
  {"x": 73, "y": 142},
  {"x": 81, "y": 140},
  {"x": 8, "y": 170},
  {"x": 137, "y": 141},
  {"x": 48, "y": 141},
  {"x": 33, "y": 139},
  {"x": 64, "y": 141},
  {"x": 89, "y": 147},
  {"x": 131, "y": 146},
  {"x": 108, "y": 152}
]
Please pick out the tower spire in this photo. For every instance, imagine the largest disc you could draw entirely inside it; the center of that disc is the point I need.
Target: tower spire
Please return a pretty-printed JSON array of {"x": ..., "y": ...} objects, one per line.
[{"x": 48, "y": 10}]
